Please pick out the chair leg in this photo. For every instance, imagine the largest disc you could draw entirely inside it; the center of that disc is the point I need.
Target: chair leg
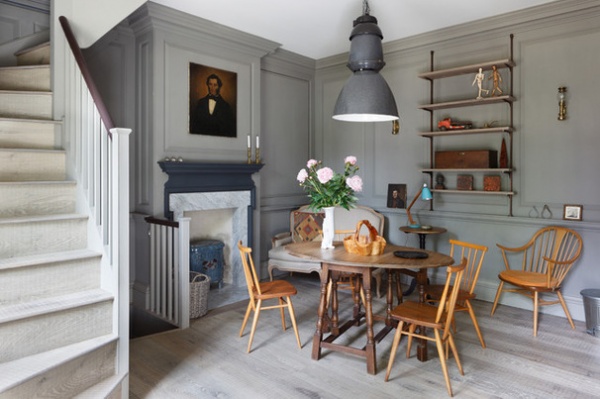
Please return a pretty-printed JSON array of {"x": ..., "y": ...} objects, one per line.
[
  {"x": 254, "y": 323},
  {"x": 293, "y": 318},
  {"x": 246, "y": 317},
  {"x": 475, "y": 324},
  {"x": 455, "y": 354},
  {"x": 395, "y": 343},
  {"x": 498, "y": 292},
  {"x": 564, "y": 306},
  {"x": 411, "y": 330},
  {"x": 536, "y": 303},
  {"x": 281, "y": 313},
  {"x": 442, "y": 356}
]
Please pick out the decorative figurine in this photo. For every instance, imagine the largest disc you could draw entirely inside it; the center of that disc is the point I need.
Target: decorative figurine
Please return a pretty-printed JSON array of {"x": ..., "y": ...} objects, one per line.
[
  {"x": 497, "y": 79},
  {"x": 439, "y": 182},
  {"x": 479, "y": 77},
  {"x": 449, "y": 124}
]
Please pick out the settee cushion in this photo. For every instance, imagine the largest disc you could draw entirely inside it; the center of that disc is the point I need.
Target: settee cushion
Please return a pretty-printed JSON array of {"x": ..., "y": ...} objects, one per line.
[{"x": 306, "y": 226}]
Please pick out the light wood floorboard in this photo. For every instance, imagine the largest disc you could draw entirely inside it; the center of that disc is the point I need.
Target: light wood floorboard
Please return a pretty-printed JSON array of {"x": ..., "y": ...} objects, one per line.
[{"x": 209, "y": 360}]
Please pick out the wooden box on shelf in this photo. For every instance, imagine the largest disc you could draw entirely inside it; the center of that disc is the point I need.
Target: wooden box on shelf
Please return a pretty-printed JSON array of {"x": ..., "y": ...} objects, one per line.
[
  {"x": 472, "y": 159},
  {"x": 464, "y": 182},
  {"x": 491, "y": 183}
]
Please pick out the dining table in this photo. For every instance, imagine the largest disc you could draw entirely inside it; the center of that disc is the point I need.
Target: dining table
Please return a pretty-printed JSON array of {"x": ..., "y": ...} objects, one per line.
[{"x": 337, "y": 261}]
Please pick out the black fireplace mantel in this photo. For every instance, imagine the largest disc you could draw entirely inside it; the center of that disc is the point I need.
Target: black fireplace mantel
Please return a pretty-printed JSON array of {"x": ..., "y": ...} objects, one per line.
[{"x": 196, "y": 177}]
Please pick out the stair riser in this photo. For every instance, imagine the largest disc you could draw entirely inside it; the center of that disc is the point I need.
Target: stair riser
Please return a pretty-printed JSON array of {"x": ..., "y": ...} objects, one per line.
[
  {"x": 26, "y": 105},
  {"x": 36, "y": 199},
  {"x": 30, "y": 238},
  {"x": 23, "y": 134},
  {"x": 39, "y": 55},
  {"x": 25, "y": 165},
  {"x": 47, "y": 280},
  {"x": 71, "y": 378},
  {"x": 52, "y": 330},
  {"x": 26, "y": 78}
]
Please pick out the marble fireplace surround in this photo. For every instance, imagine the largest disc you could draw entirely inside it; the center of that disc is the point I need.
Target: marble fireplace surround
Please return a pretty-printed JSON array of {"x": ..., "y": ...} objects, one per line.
[{"x": 197, "y": 186}]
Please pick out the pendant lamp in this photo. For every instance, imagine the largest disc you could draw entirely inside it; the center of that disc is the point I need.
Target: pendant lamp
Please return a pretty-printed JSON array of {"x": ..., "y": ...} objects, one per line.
[{"x": 366, "y": 97}]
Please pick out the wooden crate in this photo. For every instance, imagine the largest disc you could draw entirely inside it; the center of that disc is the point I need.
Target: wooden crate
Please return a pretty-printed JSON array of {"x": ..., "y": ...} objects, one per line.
[{"x": 471, "y": 159}]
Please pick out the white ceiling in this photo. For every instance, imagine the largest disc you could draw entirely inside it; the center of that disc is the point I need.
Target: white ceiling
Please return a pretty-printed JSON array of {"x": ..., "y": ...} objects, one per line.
[{"x": 321, "y": 28}]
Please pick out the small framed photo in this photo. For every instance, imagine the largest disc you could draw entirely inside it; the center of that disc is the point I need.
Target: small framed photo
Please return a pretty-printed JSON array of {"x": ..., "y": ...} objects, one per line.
[
  {"x": 573, "y": 212},
  {"x": 396, "y": 197}
]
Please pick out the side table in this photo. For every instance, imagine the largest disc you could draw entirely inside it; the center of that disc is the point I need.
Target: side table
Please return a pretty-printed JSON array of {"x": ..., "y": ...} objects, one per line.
[{"x": 423, "y": 233}]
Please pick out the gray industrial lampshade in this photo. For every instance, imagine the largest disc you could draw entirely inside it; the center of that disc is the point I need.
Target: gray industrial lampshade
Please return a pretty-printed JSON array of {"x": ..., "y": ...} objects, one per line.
[{"x": 366, "y": 97}]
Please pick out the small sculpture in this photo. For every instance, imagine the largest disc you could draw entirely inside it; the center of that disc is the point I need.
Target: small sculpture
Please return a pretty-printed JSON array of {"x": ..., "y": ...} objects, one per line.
[
  {"x": 497, "y": 79},
  {"x": 439, "y": 182},
  {"x": 479, "y": 77}
]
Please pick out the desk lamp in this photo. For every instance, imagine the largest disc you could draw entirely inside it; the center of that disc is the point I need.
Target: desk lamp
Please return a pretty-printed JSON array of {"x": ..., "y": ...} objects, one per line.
[{"x": 426, "y": 195}]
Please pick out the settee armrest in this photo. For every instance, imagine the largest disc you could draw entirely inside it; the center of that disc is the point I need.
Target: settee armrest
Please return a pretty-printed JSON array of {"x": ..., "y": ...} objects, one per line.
[{"x": 281, "y": 239}]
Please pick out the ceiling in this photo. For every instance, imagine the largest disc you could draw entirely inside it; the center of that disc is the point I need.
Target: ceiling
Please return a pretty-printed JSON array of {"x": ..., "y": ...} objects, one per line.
[{"x": 321, "y": 28}]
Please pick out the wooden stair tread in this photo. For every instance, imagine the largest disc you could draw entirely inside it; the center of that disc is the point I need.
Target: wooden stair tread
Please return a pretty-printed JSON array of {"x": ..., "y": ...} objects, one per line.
[
  {"x": 13, "y": 312},
  {"x": 31, "y": 120},
  {"x": 102, "y": 389},
  {"x": 16, "y": 371},
  {"x": 47, "y": 258},
  {"x": 33, "y": 48},
  {"x": 43, "y": 218}
]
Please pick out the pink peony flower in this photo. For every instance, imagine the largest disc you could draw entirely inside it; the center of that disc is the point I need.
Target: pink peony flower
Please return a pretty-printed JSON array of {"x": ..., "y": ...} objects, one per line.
[
  {"x": 311, "y": 163},
  {"x": 355, "y": 183},
  {"x": 302, "y": 175},
  {"x": 324, "y": 175},
  {"x": 350, "y": 159}
]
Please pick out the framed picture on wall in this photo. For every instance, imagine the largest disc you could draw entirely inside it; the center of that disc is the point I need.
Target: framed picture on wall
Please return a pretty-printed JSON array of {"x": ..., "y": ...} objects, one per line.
[
  {"x": 573, "y": 212},
  {"x": 396, "y": 197},
  {"x": 213, "y": 101}
]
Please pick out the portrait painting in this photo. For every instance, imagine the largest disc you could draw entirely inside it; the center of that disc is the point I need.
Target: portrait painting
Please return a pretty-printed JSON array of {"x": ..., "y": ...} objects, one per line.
[
  {"x": 213, "y": 101},
  {"x": 396, "y": 197}
]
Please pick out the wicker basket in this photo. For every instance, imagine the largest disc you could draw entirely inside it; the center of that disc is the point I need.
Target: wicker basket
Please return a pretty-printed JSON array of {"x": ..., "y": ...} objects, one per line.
[
  {"x": 372, "y": 244},
  {"x": 199, "y": 287}
]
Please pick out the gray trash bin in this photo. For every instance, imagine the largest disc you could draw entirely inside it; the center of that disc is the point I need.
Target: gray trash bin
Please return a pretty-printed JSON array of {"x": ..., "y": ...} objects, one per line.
[{"x": 591, "y": 305}]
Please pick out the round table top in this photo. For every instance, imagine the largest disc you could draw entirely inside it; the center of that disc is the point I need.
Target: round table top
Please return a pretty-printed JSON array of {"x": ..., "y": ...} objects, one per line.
[
  {"x": 421, "y": 230},
  {"x": 339, "y": 256}
]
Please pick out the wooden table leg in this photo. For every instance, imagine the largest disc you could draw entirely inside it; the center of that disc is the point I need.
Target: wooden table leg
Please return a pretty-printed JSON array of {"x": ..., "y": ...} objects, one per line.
[
  {"x": 318, "y": 336},
  {"x": 422, "y": 343},
  {"x": 370, "y": 347}
]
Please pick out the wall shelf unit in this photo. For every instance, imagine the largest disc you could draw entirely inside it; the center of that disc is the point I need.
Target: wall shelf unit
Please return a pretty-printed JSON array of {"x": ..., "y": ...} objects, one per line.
[{"x": 506, "y": 130}]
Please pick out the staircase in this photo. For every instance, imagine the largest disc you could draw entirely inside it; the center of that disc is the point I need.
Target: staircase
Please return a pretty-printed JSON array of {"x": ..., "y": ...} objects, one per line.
[{"x": 57, "y": 338}]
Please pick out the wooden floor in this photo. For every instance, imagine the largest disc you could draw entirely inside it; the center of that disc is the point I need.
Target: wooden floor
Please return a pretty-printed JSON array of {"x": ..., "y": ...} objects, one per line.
[{"x": 209, "y": 360}]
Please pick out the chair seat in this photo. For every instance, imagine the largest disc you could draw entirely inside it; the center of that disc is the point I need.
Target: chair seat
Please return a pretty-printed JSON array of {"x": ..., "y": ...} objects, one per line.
[
  {"x": 417, "y": 313},
  {"x": 435, "y": 291},
  {"x": 526, "y": 279},
  {"x": 276, "y": 289}
]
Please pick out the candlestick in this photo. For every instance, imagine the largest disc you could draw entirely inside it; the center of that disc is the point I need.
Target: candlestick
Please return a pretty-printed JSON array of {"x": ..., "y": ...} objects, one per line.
[
  {"x": 257, "y": 152},
  {"x": 249, "y": 155}
]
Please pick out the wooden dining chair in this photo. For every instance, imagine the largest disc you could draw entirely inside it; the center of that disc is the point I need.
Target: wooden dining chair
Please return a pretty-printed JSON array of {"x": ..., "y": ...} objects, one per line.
[
  {"x": 474, "y": 254},
  {"x": 545, "y": 261},
  {"x": 260, "y": 291},
  {"x": 438, "y": 318}
]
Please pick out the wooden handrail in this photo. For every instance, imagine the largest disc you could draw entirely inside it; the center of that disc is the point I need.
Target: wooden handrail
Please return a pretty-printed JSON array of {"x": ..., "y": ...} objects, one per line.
[
  {"x": 162, "y": 222},
  {"x": 87, "y": 76}
]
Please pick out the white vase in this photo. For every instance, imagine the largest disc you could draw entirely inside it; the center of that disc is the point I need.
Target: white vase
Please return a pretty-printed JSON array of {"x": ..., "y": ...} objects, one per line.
[{"x": 328, "y": 228}]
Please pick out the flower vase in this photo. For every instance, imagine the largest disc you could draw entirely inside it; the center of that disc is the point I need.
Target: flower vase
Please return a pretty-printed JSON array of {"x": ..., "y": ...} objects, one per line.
[{"x": 328, "y": 229}]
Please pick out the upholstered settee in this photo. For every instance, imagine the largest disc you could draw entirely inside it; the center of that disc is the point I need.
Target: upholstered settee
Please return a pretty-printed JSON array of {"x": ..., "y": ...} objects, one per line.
[{"x": 306, "y": 225}]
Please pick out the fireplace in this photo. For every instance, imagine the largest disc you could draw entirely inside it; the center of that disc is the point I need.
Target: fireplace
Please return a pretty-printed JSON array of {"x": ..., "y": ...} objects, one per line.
[{"x": 220, "y": 199}]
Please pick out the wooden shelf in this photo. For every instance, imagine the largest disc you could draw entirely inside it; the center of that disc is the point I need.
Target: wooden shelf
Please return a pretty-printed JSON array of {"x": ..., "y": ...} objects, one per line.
[
  {"x": 489, "y": 170},
  {"x": 458, "y": 132},
  {"x": 462, "y": 70},
  {"x": 478, "y": 192},
  {"x": 468, "y": 103}
]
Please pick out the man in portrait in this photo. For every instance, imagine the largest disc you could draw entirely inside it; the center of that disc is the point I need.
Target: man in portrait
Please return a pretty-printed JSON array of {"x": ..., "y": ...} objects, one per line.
[
  {"x": 396, "y": 196},
  {"x": 212, "y": 115}
]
